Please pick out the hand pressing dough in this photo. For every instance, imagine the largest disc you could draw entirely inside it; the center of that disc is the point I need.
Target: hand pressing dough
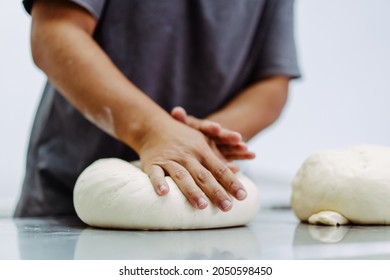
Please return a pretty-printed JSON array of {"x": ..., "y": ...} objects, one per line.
[
  {"x": 113, "y": 193},
  {"x": 338, "y": 187}
]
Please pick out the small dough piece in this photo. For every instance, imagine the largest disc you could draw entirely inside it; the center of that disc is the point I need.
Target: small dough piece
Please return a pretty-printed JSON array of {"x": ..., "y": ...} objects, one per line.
[
  {"x": 336, "y": 186},
  {"x": 328, "y": 218},
  {"x": 112, "y": 193}
]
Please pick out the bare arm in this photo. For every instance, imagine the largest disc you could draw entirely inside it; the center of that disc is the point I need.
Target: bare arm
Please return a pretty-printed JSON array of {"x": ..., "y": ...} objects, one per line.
[
  {"x": 255, "y": 108},
  {"x": 63, "y": 48}
]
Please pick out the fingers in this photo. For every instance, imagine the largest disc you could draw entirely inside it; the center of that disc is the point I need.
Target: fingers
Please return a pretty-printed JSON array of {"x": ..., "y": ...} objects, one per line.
[
  {"x": 215, "y": 131},
  {"x": 184, "y": 180},
  {"x": 210, "y": 186},
  {"x": 225, "y": 177},
  {"x": 179, "y": 114},
  {"x": 228, "y": 137},
  {"x": 210, "y": 128},
  {"x": 233, "y": 167},
  {"x": 157, "y": 178},
  {"x": 237, "y": 152},
  {"x": 196, "y": 182}
]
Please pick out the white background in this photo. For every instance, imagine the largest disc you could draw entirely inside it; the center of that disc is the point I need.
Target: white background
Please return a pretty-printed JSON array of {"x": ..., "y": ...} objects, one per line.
[{"x": 343, "y": 98}]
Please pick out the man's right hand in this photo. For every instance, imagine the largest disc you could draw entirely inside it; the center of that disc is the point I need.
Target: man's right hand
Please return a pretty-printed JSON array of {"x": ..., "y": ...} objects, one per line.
[{"x": 186, "y": 155}]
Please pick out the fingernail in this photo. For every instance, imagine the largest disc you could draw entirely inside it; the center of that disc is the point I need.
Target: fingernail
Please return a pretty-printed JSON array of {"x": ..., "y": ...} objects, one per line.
[
  {"x": 163, "y": 189},
  {"x": 202, "y": 203},
  {"x": 226, "y": 204},
  {"x": 241, "y": 194}
]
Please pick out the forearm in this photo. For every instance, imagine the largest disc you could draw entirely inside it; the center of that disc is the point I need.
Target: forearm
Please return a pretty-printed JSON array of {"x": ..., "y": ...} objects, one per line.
[
  {"x": 87, "y": 77},
  {"x": 255, "y": 108}
]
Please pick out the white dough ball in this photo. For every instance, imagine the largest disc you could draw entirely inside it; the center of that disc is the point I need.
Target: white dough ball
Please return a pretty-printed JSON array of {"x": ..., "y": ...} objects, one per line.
[
  {"x": 113, "y": 193},
  {"x": 336, "y": 187}
]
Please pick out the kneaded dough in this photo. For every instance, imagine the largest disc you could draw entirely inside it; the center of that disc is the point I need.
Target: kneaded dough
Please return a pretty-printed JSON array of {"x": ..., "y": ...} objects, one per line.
[
  {"x": 112, "y": 193},
  {"x": 337, "y": 187}
]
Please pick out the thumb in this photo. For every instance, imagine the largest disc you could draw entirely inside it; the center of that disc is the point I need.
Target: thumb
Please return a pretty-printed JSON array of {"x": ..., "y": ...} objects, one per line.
[{"x": 179, "y": 114}]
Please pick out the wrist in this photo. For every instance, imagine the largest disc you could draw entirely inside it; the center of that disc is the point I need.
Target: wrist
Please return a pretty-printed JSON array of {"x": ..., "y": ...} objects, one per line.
[{"x": 145, "y": 127}]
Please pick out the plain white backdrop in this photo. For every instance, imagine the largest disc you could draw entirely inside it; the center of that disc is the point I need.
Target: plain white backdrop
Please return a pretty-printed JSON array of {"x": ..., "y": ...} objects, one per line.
[{"x": 343, "y": 98}]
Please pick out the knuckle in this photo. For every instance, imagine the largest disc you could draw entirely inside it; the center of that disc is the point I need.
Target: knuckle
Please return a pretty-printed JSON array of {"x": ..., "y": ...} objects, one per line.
[
  {"x": 218, "y": 194},
  {"x": 152, "y": 174},
  {"x": 203, "y": 177},
  {"x": 180, "y": 174},
  {"x": 193, "y": 194},
  {"x": 221, "y": 171},
  {"x": 233, "y": 187}
]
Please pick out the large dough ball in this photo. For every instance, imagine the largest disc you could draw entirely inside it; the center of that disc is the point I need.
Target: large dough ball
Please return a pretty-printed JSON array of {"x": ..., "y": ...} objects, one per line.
[
  {"x": 341, "y": 186},
  {"x": 113, "y": 193}
]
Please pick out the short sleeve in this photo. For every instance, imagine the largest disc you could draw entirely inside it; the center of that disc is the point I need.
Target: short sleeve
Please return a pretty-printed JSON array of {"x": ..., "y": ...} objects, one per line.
[
  {"x": 278, "y": 53},
  {"x": 95, "y": 7}
]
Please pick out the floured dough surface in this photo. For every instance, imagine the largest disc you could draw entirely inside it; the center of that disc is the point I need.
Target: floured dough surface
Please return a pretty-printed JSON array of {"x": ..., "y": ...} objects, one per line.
[
  {"x": 113, "y": 193},
  {"x": 337, "y": 187}
]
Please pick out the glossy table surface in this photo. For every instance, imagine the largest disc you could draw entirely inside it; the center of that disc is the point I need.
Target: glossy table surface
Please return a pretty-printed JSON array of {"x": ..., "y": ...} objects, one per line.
[{"x": 274, "y": 234}]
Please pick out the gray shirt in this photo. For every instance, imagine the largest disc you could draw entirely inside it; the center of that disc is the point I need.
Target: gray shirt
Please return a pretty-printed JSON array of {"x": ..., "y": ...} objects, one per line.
[{"x": 198, "y": 54}]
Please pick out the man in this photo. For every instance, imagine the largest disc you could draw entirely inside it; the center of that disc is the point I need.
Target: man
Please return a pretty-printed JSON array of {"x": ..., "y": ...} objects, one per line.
[{"x": 116, "y": 68}]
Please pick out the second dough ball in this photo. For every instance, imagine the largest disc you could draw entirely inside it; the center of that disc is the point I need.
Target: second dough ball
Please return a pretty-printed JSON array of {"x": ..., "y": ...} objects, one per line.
[{"x": 336, "y": 187}]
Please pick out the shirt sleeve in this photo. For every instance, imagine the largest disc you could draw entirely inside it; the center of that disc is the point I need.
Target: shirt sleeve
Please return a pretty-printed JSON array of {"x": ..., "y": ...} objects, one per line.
[
  {"x": 278, "y": 54},
  {"x": 95, "y": 7}
]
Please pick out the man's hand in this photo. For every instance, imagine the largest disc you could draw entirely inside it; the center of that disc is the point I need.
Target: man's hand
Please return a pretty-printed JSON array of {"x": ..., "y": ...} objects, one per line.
[
  {"x": 228, "y": 142},
  {"x": 185, "y": 154}
]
